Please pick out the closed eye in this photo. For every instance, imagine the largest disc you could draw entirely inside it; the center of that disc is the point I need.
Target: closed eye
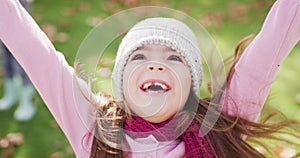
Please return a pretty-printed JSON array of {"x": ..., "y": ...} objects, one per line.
[
  {"x": 138, "y": 57},
  {"x": 175, "y": 58}
]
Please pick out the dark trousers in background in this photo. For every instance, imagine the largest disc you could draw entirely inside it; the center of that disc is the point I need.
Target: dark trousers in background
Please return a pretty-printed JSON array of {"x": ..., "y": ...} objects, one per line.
[{"x": 12, "y": 67}]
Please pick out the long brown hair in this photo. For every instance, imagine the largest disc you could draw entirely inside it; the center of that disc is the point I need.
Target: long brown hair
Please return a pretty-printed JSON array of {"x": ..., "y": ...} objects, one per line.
[{"x": 226, "y": 138}]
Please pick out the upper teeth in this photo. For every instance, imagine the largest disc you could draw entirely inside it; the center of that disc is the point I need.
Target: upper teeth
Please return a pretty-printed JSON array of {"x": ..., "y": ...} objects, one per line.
[{"x": 148, "y": 84}]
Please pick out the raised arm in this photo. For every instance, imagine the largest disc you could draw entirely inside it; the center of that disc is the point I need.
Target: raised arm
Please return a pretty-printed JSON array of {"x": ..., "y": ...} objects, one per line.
[
  {"x": 48, "y": 70},
  {"x": 257, "y": 67}
]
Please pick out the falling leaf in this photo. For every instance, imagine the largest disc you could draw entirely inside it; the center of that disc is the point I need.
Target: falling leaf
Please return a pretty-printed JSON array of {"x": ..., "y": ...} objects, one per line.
[
  {"x": 185, "y": 8},
  {"x": 50, "y": 31},
  {"x": 92, "y": 59},
  {"x": 4, "y": 143},
  {"x": 106, "y": 62},
  {"x": 297, "y": 98},
  {"x": 127, "y": 3},
  {"x": 104, "y": 72},
  {"x": 65, "y": 24},
  {"x": 111, "y": 7},
  {"x": 57, "y": 155},
  {"x": 61, "y": 37},
  {"x": 130, "y": 3},
  {"x": 238, "y": 9},
  {"x": 262, "y": 4},
  {"x": 15, "y": 138},
  {"x": 215, "y": 18},
  {"x": 115, "y": 1},
  {"x": 68, "y": 11},
  {"x": 8, "y": 144},
  {"x": 285, "y": 151},
  {"x": 83, "y": 6},
  {"x": 93, "y": 21},
  {"x": 158, "y": 3},
  {"x": 238, "y": 12},
  {"x": 69, "y": 150},
  {"x": 205, "y": 21},
  {"x": 37, "y": 17},
  {"x": 58, "y": 144},
  {"x": 258, "y": 5},
  {"x": 8, "y": 152}
]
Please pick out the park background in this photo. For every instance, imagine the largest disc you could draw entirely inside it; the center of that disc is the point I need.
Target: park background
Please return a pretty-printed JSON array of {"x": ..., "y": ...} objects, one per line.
[{"x": 68, "y": 22}]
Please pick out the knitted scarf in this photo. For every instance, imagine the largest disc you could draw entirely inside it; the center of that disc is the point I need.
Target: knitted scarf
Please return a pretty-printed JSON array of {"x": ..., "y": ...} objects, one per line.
[{"x": 195, "y": 145}]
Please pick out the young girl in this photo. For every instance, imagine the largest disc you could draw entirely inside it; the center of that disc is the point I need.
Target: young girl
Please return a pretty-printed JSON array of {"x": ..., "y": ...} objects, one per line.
[{"x": 158, "y": 74}]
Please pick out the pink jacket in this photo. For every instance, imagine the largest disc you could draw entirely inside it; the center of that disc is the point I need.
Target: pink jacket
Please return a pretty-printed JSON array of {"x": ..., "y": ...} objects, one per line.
[{"x": 54, "y": 78}]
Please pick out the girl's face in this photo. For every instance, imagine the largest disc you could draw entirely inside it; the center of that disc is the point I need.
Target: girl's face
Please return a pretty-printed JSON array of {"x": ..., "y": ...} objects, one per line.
[{"x": 156, "y": 82}]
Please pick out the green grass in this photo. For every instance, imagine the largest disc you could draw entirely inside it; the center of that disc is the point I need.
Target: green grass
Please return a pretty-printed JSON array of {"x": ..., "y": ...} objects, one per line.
[{"x": 42, "y": 135}]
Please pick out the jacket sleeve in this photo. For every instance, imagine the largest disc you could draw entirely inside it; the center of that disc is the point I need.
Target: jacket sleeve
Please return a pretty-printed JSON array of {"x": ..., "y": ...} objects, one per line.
[
  {"x": 257, "y": 67},
  {"x": 48, "y": 70}
]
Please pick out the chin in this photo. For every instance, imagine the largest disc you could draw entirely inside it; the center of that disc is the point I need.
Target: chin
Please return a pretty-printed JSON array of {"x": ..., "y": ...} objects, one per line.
[{"x": 155, "y": 119}]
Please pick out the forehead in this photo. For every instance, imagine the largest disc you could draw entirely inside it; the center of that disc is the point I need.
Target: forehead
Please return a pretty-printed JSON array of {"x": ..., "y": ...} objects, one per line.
[{"x": 155, "y": 48}]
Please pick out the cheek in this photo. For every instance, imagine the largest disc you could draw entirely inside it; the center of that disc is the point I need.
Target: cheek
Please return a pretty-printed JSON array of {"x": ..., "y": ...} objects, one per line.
[
  {"x": 130, "y": 73},
  {"x": 129, "y": 79},
  {"x": 130, "y": 84},
  {"x": 183, "y": 78}
]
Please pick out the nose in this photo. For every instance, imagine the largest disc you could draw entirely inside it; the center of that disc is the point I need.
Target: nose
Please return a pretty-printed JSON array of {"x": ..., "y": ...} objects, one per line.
[{"x": 156, "y": 67}]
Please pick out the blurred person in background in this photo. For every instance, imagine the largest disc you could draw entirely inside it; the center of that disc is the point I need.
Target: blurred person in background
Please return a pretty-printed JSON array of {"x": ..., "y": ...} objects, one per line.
[{"x": 17, "y": 86}]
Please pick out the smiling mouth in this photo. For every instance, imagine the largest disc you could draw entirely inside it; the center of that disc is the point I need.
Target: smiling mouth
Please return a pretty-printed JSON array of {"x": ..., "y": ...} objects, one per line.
[{"x": 155, "y": 86}]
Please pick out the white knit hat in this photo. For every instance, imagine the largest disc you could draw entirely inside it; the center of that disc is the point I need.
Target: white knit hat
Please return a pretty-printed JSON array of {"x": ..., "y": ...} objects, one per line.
[{"x": 163, "y": 31}]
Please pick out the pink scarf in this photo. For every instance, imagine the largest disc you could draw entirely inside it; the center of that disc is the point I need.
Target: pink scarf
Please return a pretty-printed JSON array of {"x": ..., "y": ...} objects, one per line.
[{"x": 195, "y": 146}]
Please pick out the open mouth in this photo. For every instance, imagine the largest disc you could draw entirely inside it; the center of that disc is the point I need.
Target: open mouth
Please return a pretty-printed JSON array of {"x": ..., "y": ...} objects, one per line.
[{"x": 156, "y": 86}]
